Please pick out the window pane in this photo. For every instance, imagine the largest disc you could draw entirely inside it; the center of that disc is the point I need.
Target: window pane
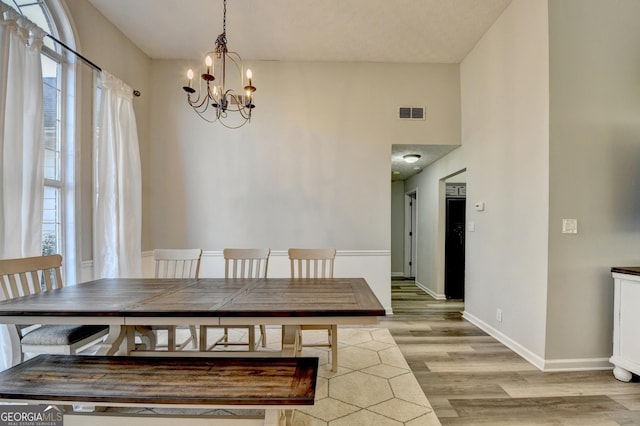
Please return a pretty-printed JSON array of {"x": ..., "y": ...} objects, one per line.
[
  {"x": 52, "y": 117},
  {"x": 50, "y": 68},
  {"x": 51, "y": 221},
  {"x": 36, "y": 15}
]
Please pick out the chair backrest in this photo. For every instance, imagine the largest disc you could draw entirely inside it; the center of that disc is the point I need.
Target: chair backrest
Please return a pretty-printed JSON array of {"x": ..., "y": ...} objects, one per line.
[
  {"x": 29, "y": 275},
  {"x": 311, "y": 263},
  {"x": 177, "y": 263},
  {"x": 246, "y": 263}
]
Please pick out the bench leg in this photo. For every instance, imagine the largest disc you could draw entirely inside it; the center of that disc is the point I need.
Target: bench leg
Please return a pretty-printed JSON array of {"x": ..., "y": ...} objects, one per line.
[{"x": 276, "y": 417}]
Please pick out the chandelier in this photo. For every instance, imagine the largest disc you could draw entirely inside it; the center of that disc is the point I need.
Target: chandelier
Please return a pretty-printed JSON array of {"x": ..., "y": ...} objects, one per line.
[{"x": 214, "y": 100}]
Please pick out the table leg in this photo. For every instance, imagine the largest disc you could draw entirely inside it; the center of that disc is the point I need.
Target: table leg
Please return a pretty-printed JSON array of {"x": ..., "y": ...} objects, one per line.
[
  {"x": 147, "y": 337},
  {"x": 112, "y": 343}
]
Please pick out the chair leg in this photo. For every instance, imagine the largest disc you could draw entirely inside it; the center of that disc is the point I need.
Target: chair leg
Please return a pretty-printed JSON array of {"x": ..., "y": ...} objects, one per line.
[
  {"x": 171, "y": 338},
  {"x": 252, "y": 338},
  {"x": 193, "y": 339},
  {"x": 334, "y": 348},
  {"x": 263, "y": 332},
  {"x": 194, "y": 336},
  {"x": 17, "y": 356},
  {"x": 203, "y": 338}
]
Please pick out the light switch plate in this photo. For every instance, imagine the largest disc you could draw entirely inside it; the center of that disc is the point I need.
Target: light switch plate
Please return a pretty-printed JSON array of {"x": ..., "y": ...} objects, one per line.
[{"x": 569, "y": 226}]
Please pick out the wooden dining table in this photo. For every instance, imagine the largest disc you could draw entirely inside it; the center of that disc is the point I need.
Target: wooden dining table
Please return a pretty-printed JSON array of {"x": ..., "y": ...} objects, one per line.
[{"x": 124, "y": 304}]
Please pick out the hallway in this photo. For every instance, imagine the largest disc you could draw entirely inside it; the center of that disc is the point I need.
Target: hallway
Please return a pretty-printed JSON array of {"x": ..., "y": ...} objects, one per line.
[{"x": 471, "y": 378}]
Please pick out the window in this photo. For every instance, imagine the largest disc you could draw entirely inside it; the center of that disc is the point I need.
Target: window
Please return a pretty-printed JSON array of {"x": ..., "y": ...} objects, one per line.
[
  {"x": 52, "y": 217},
  {"x": 58, "y": 172}
]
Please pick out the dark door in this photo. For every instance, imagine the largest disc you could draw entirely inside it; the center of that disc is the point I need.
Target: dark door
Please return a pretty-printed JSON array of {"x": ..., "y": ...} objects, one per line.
[{"x": 454, "y": 249}]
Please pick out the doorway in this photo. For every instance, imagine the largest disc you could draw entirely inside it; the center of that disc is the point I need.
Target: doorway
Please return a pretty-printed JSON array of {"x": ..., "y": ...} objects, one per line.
[
  {"x": 410, "y": 234},
  {"x": 454, "y": 259}
]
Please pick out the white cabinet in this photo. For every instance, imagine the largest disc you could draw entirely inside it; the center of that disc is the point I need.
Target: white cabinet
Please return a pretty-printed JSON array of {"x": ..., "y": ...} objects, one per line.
[{"x": 626, "y": 323}]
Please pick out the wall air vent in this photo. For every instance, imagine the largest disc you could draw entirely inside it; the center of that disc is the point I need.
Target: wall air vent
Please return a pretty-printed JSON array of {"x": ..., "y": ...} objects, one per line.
[{"x": 411, "y": 113}]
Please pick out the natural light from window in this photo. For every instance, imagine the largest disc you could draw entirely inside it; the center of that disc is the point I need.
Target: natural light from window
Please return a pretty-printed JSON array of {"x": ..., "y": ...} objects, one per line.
[{"x": 52, "y": 221}]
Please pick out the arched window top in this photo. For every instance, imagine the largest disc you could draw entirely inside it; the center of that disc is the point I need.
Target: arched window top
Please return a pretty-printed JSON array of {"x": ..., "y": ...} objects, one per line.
[{"x": 38, "y": 13}]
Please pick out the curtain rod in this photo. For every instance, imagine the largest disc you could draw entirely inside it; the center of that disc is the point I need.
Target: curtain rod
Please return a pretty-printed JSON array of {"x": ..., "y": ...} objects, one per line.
[{"x": 83, "y": 59}]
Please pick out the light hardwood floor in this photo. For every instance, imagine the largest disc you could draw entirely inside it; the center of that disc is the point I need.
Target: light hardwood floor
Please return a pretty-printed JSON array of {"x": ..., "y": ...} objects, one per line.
[{"x": 470, "y": 378}]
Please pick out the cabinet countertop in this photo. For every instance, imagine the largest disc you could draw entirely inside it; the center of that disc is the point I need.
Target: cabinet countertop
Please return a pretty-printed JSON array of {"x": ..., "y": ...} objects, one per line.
[{"x": 629, "y": 270}]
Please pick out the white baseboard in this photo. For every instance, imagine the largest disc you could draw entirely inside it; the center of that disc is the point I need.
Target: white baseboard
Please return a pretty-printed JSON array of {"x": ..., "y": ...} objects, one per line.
[
  {"x": 545, "y": 365},
  {"x": 511, "y": 344},
  {"x": 578, "y": 364},
  {"x": 431, "y": 292}
]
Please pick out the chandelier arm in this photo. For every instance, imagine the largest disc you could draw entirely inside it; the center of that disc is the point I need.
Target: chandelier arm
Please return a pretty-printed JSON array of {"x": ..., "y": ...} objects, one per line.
[{"x": 197, "y": 103}]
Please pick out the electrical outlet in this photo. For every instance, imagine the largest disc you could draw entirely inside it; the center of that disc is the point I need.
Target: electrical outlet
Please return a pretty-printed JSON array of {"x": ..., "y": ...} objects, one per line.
[{"x": 499, "y": 315}]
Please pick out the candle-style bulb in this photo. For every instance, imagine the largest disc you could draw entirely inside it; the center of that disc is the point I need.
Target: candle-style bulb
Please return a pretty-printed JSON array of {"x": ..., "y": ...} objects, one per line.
[
  {"x": 208, "y": 61},
  {"x": 188, "y": 88},
  {"x": 249, "y": 74}
]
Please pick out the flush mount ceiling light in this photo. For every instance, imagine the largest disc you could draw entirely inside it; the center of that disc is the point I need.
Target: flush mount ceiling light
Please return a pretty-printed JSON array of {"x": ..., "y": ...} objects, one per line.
[
  {"x": 216, "y": 102},
  {"x": 411, "y": 158}
]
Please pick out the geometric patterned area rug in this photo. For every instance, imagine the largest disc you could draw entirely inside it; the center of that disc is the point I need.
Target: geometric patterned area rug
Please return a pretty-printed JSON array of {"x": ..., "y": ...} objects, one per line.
[{"x": 373, "y": 385}]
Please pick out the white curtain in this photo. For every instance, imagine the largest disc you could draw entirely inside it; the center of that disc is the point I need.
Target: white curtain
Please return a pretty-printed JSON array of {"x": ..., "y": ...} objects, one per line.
[
  {"x": 21, "y": 146},
  {"x": 118, "y": 185}
]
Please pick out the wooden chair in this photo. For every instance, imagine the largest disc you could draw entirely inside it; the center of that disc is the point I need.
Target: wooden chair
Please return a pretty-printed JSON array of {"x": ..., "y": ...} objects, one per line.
[
  {"x": 241, "y": 263},
  {"x": 177, "y": 263},
  {"x": 32, "y": 275},
  {"x": 316, "y": 263}
]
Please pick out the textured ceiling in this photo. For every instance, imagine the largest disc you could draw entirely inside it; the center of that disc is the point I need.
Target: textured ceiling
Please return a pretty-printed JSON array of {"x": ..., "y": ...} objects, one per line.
[
  {"x": 406, "y": 31},
  {"x": 431, "y": 31},
  {"x": 401, "y": 170}
]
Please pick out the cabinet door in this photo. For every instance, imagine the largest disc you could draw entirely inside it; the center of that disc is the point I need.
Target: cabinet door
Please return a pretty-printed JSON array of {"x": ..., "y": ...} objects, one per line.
[{"x": 629, "y": 320}]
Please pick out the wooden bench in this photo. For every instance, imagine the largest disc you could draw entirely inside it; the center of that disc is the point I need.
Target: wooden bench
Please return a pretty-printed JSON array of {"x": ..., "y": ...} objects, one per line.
[{"x": 272, "y": 384}]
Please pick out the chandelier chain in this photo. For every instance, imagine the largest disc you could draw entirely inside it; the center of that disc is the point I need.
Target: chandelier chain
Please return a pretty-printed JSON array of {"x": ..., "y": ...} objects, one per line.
[
  {"x": 224, "y": 17},
  {"x": 221, "y": 41}
]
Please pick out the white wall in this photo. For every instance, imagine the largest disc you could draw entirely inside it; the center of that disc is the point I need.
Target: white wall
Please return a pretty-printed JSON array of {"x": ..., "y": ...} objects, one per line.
[
  {"x": 311, "y": 170},
  {"x": 101, "y": 42},
  {"x": 595, "y": 170},
  {"x": 505, "y": 137}
]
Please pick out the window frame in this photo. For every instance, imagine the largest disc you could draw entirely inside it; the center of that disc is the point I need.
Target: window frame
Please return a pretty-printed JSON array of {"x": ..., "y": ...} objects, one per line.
[{"x": 57, "y": 17}]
